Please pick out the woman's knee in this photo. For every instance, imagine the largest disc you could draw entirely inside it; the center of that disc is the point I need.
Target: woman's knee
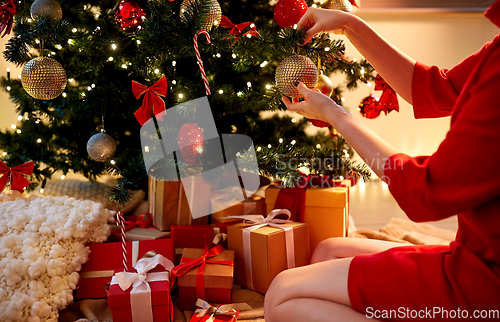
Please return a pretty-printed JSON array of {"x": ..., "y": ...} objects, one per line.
[
  {"x": 328, "y": 249},
  {"x": 276, "y": 295}
]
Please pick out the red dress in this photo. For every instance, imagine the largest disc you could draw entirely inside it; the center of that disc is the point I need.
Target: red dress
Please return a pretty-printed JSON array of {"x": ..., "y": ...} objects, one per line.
[{"x": 462, "y": 177}]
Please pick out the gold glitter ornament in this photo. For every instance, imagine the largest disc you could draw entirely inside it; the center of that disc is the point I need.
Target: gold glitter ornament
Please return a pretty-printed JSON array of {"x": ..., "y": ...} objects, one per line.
[
  {"x": 43, "y": 78},
  {"x": 294, "y": 69},
  {"x": 212, "y": 18},
  {"x": 48, "y": 8},
  {"x": 324, "y": 85},
  {"x": 101, "y": 146},
  {"x": 343, "y": 5}
]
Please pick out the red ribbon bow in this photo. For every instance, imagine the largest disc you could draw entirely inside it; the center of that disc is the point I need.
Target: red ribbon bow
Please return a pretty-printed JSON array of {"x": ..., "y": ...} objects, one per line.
[
  {"x": 294, "y": 199},
  {"x": 201, "y": 261},
  {"x": 7, "y": 12},
  {"x": 237, "y": 29},
  {"x": 132, "y": 221},
  {"x": 388, "y": 100},
  {"x": 16, "y": 176},
  {"x": 152, "y": 102}
]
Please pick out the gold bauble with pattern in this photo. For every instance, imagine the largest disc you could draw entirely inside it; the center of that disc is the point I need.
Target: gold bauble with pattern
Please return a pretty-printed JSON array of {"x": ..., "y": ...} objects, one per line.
[
  {"x": 343, "y": 5},
  {"x": 43, "y": 78},
  {"x": 293, "y": 69},
  {"x": 212, "y": 18}
]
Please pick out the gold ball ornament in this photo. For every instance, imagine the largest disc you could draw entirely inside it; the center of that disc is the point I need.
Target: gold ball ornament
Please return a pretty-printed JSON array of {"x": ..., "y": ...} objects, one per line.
[
  {"x": 43, "y": 78},
  {"x": 295, "y": 68},
  {"x": 101, "y": 146},
  {"x": 324, "y": 85},
  {"x": 48, "y": 8},
  {"x": 212, "y": 18},
  {"x": 343, "y": 5}
]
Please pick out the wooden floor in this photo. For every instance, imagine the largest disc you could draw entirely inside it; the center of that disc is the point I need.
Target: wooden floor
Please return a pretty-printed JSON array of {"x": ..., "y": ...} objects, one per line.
[{"x": 372, "y": 207}]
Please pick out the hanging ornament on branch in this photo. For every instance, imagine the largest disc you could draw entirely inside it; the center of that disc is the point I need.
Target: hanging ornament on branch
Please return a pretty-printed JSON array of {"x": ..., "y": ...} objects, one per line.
[
  {"x": 43, "y": 78},
  {"x": 101, "y": 146},
  {"x": 7, "y": 12},
  {"x": 288, "y": 12},
  {"x": 238, "y": 29},
  {"x": 190, "y": 141},
  {"x": 343, "y": 5},
  {"x": 48, "y": 8},
  {"x": 130, "y": 15},
  {"x": 212, "y": 18},
  {"x": 200, "y": 61},
  {"x": 15, "y": 176},
  {"x": 293, "y": 69},
  {"x": 388, "y": 100},
  {"x": 371, "y": 106}
]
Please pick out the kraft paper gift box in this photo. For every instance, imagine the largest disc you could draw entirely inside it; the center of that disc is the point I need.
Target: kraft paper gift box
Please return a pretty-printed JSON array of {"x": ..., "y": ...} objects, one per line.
[
  {"x": 196, "y": 236},
  {"x": 223, "y": 205},
  {"x": 215, "y": 285},
  {"x": 105, "y": 258},
  {"x": 265, "y": 248},
  {"x": 326, "y": 210},
  {"x": 132, "y": 299},
  {"x": 138, "y": 228},
  {"x": 169, "y": 204}
]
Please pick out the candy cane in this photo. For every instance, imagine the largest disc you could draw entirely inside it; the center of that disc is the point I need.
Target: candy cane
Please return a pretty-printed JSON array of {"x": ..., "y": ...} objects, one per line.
[
  {"x": 120, "y": 221},
  {"x": 198, "y": 57}
]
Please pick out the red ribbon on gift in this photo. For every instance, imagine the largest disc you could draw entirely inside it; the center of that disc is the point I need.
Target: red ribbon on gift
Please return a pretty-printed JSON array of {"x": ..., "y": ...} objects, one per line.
[
  {"x": 201, "y": 262},
  {"x": 131, "y": 222},
  {"x": 7, "y": 12},
  {"x": 388, "y": 100},
  {"x": 237, "y": 29},
  {"x": 294, "y": 199},
  {"x": 152, "y": 102},
  {"x": 15, "y": 175}
]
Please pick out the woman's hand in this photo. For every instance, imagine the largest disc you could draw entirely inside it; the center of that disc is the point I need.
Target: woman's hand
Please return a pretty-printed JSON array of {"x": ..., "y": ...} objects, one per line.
[
  {"x": 317, "y": 20},
  {"x": 314, "y": 106}
]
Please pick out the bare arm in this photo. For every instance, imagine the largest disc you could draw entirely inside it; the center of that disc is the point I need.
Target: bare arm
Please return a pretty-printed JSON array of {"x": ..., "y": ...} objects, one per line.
[
  {"x": 393, "y": 65},
  {"x": 371, "y": 147}
]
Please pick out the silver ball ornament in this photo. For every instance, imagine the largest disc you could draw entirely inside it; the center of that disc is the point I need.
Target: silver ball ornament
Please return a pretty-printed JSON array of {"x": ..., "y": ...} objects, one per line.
[
  {"x": 48, "y": 8},
  {"x": 101, "y": 146}
]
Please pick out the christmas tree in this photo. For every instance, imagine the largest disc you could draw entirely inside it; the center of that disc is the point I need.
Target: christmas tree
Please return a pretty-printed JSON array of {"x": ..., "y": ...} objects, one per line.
[{"x": 102, "y": 47}]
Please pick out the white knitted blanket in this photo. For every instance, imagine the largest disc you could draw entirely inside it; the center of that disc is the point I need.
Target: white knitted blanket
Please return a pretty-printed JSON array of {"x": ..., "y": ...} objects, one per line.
[{"x": 42, "y": 248}]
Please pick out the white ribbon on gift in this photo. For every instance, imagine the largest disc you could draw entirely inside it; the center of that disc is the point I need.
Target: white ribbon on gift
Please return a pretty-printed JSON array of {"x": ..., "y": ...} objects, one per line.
[
  {"x": 140, "y": 295},
  {"x": 258, "y": 221}
]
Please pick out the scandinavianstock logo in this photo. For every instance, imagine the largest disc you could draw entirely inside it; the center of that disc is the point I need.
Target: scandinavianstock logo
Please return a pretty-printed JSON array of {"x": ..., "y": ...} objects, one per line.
[{"x": 223, "y": 159}]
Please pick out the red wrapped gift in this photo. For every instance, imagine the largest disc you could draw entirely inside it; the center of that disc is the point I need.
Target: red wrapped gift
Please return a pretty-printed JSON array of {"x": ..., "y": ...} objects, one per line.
[
  {"x": 143, "y": 294},
  {"x": 206, "y": 274},
  {"x": 195, "y": 236},
  {"x": 107, "y": 257},
  {"x": 207, "y": 312}
]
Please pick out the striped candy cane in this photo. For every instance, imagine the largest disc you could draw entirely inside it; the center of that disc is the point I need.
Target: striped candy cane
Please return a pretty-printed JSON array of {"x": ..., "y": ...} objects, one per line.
[
  {"x": 120, "y": 221},
  {"x": 198, "y": 57}
]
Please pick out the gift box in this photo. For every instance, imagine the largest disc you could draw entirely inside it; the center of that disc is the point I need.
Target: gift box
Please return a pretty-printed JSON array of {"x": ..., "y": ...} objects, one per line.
[
  {"x": 138, "y": 228},
  {"x": 133, "y": 298},
  {"x": 196, "y": 236},
  {"x": 325, "y": 210},
  {"x": 265, "y": 247},
  {"x": 170, "y": 206},
  {"x": 105, "y": 258},
  {"x": 220, "y": 313},
  {"x": 206, "y": 274},
  {"x": 223, "y": 205}
]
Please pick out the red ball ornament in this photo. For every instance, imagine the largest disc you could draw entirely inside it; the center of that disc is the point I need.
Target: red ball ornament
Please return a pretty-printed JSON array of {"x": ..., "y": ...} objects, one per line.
[
  {"x": 129, "y": 15},
  {"x": 190, "y": 142},
  {"x": 369, "y": 107},
  {"x": 319, "y": 123},
  {"x": 288, "y": 12}
]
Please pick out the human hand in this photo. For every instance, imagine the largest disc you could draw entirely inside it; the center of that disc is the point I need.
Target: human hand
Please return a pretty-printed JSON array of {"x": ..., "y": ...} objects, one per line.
[
  {"x": 317, "y": 20},
  {"x": 314, "y": 106}
]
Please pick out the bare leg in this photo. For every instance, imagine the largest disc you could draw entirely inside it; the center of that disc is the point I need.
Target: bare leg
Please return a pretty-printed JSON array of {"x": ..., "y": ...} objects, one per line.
[
  {"x": 319, "y": 292},
  {"x": 311, "y": 293},
  {"x": 341, "y": 247}
]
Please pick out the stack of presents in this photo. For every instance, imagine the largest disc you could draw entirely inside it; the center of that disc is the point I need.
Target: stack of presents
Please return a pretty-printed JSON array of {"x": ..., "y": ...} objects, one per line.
[{"x": 169, "y": 257}]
